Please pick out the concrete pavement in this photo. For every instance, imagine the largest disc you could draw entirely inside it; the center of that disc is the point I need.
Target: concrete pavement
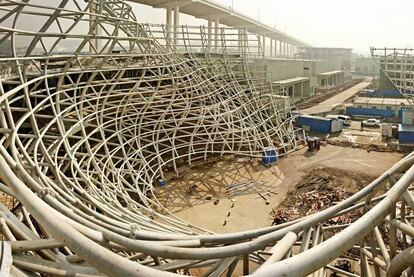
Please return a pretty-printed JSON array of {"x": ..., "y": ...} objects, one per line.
[{"x": 336, "y": 100}]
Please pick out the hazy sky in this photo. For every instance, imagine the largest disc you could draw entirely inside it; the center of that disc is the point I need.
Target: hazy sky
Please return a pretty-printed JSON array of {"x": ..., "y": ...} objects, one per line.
[{"x": 356, "y": 24}]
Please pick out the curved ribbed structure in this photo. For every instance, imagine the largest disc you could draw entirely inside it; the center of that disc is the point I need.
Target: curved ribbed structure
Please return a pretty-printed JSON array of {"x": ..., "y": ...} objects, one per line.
[{"x": 91, "y": 120}]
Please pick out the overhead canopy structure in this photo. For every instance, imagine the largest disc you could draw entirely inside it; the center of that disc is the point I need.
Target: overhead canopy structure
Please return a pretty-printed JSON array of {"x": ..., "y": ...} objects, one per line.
[
  {"x": 206, "y": 9},
  {"x": 291, "y": 81},
  {"x": 330, "y": 73}
]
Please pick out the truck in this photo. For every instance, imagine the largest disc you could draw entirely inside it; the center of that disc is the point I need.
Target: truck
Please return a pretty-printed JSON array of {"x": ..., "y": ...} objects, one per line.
[{"x": 346, "y": 120}]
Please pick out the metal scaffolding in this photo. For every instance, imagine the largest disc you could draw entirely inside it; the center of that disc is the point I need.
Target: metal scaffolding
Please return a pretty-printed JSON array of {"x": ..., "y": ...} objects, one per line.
[
  {"x": 87, "y": 132},
  {"x": 397, "y": 66}
]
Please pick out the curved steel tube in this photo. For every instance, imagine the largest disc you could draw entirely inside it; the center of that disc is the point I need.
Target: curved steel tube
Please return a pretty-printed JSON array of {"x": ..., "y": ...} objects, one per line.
[{"x": 86, "y": 134}]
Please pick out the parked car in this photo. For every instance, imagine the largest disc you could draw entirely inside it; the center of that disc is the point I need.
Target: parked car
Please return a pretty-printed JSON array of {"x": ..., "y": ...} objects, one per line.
[
  {"x": 346, "y": 120},
  {"x": 372, "y": 122}
]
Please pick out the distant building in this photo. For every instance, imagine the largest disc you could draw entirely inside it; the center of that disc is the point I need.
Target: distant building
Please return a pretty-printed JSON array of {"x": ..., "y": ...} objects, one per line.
[
  {"x": 378, "y": 107},
  {"x": 341, "y": 56},
  {"x": 312, "y": 69},
  {"x": 5, "y": 48},
  {"x": 366, "y": 66}
]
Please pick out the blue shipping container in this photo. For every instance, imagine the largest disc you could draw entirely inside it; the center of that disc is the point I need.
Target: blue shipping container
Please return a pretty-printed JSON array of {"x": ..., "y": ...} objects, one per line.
[
  {"x": 315, "y": 124},
  {"x": 405, "y": 134},
  {"x": 379, "y": 93},
  {"x": 369, "y": 112}
]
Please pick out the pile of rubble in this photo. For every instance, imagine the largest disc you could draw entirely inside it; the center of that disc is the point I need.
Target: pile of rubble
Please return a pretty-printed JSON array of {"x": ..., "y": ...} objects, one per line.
[
  {"x": 368, "y": 147},
  {"x": 321, "y": 188}
]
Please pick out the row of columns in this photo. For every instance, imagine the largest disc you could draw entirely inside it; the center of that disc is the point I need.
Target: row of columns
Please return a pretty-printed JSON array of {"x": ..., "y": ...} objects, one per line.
[
  {"x": 332, "y": 80},
  {"x": 277, "y": 47},
  {"x": 173, "y": 31},
  {"x": 172, "y": 27}
]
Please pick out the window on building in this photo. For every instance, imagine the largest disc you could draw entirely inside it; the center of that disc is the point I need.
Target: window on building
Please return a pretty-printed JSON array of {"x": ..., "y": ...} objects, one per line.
[
  {"x": 388, "y": 108},
  {"x": 374, "y": 108}
]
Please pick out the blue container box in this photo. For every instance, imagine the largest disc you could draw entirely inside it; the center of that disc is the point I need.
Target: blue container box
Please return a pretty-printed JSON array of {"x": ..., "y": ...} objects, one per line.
[
  {"x": 162, "y": 182},
  {"x": 269, "y": 157},
  {"x": 315, "y": 124}
]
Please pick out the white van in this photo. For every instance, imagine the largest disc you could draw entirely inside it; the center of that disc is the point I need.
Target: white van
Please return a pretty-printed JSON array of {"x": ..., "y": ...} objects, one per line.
[{"x": 346, "y": 120}]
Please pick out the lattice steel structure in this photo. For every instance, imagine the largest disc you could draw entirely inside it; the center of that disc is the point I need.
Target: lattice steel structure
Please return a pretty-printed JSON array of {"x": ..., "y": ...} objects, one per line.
[{"x": 86, "y": 134}]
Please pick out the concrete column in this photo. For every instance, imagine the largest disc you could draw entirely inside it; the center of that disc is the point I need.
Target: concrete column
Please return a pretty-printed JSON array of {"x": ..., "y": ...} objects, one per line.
[
  {"x": 302, "y": 90},
  {"x": 259, "y": 37},
  {"x": 244, "y": 42},
  {"x": 210, "y": 34},
  {"x": 280, "y": 48},
  {"x": 176, "y": 23},
  {"x": 168, "y": 22},
  {"x": 275, "y": 47},
  {"x": 264, "y": 45},
  {"x": 216, "y": 33},
  {"x": 239, "y": 41},
  {"x": 271, "y": 47}
]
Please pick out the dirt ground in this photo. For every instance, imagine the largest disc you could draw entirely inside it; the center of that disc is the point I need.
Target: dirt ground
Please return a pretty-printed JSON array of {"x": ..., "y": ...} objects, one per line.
[
  {"x": 247, "y": 209},
  {"x": 356, "y": 134}
]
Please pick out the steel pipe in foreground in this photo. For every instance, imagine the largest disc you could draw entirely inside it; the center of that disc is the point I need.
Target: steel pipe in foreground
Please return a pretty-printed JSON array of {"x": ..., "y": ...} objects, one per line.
[{"x": 91, "y": 120}]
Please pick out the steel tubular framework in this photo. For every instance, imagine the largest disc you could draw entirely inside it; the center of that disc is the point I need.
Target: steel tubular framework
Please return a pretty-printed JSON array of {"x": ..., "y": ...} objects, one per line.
[{"x": 85, "y": 136}]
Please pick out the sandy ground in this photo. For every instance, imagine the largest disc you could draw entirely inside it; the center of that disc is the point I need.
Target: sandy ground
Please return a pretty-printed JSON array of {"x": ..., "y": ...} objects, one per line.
[
  {"x": 250, "y": 211},
  {"x": 365, "y": 135}
]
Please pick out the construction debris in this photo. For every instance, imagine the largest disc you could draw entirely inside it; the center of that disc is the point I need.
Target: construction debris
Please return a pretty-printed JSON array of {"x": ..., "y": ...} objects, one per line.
[
  {"x": 368, "y": 147},
  {"x": 192, "y": 189},
  {"x": 321, "y": 188}
]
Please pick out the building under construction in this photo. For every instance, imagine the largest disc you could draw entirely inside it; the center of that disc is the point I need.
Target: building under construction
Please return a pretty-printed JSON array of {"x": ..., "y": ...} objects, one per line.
[{"x": 103, "y": 117}]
